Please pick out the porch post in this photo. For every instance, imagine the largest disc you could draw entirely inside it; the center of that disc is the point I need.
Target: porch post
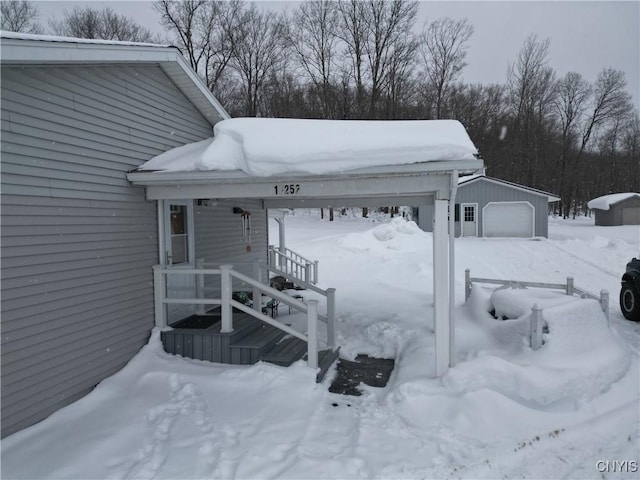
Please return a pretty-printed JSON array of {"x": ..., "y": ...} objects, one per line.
[
  {"x": 281, "y": 241},
  {"x": 200, "y": 308},
  {"x": 441, "y": 287},
  {"x": 452, "y": 268},
  {"x": 312, "y": 333},
  {"x": 158, "y": 296},
  {"x": 331, "y": 318},
  {"x": 225, "y": 290},
  {"x": 257, "y": 294}
]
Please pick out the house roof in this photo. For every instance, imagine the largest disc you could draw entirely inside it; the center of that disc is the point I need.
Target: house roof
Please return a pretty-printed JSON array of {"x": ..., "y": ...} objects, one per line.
[
  {"x": 28, "y": 49},
  {"x": 606, "y": 201},
  {"x": 466, "y": 180}
]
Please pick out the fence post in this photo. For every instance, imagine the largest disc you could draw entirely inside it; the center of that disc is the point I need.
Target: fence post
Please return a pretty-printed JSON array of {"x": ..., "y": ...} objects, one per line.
[
  {"x": 467, "y": 284},
  {"x": 256, "y": 296},
  {"x": 158, "y": 296},
  {"x": 312, "y": 334},
  {"x": 307, "y": 272},
  {"x": 604, "y": 304},
  {"x": 331, "y": 316},
  {"x": 225, "y": 291},
  {"x": 315, "y": 272},
  {"x": 535, "y": 324},
  {"x": 569, "y": 286},
  {"x": 200, "y": 308}
]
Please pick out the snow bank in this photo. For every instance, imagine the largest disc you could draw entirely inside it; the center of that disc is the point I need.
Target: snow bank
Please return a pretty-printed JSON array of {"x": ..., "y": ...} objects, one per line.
[
  {"x": 272, "y": 146},
  {"x": 605, "y": 202}
]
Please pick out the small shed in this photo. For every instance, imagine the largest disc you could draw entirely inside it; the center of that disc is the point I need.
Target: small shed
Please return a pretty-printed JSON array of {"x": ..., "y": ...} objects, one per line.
[
  {"x": 491, "y": 207},
  {"x": 617, "y": 209}
]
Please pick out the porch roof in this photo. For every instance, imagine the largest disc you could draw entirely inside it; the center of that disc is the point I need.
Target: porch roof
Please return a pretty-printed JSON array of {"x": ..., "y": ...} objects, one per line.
[{"x": 293, "y": 162}]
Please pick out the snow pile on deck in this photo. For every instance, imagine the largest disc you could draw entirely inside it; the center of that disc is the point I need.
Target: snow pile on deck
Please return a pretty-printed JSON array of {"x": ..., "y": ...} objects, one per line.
[
  {"x": 272, "y": 146},
  {"x": 605, "y": 202}
]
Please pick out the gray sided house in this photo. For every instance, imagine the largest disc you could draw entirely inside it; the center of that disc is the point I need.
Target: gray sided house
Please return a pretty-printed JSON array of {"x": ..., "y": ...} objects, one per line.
[
  {"x": 616, "y": 209},
  {"x": 490, "y": 207},
  {"x": 78, "y": 240}
]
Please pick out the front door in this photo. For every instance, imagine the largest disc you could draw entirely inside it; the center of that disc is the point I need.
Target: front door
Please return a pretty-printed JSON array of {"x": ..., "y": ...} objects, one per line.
[
  {"x": 179, "y": 254},
  {"x": 469, "y": 219}
]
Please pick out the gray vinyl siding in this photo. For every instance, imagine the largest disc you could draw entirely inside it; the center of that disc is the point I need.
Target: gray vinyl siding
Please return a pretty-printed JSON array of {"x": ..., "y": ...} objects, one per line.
[
  {"x": 219, "y": 236},
  {"x": 483, "y": 192},
  {"x": 613, "y": 216},
  {"x": 78, "y": 241}
]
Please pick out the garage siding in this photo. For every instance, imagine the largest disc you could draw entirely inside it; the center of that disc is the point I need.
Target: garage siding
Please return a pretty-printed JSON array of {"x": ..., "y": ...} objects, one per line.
[
  {"x": 78, "y": 241},
  {"x": 484, "y": 191}
]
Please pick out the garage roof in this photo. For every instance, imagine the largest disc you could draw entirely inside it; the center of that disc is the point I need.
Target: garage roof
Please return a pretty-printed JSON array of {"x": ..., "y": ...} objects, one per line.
[{"x": 465, "y": 180}]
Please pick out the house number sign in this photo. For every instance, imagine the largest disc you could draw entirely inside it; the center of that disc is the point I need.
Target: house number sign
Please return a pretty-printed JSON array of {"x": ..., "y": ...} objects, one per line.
[{"x": 287, "y": 189}]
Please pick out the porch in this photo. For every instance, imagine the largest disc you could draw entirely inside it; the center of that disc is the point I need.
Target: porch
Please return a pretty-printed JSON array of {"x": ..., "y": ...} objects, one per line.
[{"x": 239, "y": 319}]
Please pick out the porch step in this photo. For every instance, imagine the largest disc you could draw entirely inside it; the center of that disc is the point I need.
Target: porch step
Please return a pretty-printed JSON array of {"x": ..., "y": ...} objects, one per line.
[
  {"x": 286, "y": 352},
  {"x": 248, "y": 349}
]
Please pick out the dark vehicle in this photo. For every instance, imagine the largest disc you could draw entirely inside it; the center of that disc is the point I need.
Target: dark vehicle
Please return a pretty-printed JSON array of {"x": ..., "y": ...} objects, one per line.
[{"x": 630, "y": 291}]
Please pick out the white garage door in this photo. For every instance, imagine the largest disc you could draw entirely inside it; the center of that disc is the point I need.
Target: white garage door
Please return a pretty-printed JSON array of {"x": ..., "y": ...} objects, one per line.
[{"x": 508, "y": 219}]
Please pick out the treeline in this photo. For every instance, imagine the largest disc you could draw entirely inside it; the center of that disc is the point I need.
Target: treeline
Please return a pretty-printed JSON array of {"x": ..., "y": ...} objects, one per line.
[{"x": 367, "y": 59}]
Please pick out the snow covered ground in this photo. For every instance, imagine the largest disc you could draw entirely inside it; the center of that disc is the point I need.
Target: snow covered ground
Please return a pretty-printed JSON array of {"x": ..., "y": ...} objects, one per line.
[{"x": 568, "y": 410}]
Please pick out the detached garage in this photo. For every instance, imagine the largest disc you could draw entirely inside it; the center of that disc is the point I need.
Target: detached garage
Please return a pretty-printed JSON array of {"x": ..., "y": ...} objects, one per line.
[
  {"x": 490, "y": 207},
  {"x": 616, "y": 209}
]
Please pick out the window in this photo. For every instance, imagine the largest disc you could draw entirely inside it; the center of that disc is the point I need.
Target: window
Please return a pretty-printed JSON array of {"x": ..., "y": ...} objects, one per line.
[
  {"x": 179, "y": 234},
  {"x": 469, "y": 213}
]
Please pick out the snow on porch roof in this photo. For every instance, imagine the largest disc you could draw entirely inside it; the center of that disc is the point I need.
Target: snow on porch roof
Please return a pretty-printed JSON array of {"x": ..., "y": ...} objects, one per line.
[{"x": 264, "y": 147}]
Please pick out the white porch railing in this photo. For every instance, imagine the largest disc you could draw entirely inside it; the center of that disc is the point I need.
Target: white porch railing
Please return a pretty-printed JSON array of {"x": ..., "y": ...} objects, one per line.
[
  {"x": 227, "y": 274},
  {"x": 293, "y": 264}
]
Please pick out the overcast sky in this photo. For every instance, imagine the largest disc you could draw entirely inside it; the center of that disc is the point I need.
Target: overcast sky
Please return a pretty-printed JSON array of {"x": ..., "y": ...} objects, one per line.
[{"x": 586, "y": 36}]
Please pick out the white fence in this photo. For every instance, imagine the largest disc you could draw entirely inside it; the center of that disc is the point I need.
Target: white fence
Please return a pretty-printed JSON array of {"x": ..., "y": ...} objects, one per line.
[
  {"x": 536, "y": 318},
  {"x": 227, "y": 275}
]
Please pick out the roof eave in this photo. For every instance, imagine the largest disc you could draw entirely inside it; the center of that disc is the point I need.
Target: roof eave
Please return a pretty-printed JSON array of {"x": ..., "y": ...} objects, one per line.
[
  {"x": 29, "y": 51},
  {"x": 238, "y": 176}
]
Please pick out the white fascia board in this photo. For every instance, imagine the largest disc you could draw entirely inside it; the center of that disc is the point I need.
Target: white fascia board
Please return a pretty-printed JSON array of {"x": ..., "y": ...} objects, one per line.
[{"x": 238, "y": 176}]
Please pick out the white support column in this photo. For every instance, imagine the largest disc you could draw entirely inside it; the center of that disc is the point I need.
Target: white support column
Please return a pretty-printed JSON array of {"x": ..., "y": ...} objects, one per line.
[
  {"x": 225, "y": 294},
  {"x": 312, "y": 333},
  {"x": 331, "y": 318},
  {"x": 158, "y": 296},
  {"x": 200, "y": 309},
  {"x": 452, "y": 267},
  {"x": 257, "y": 294},
  {"x": 441, "y": 287}
]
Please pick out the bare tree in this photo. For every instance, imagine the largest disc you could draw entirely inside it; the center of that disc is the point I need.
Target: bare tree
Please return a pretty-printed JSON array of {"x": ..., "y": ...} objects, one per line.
[
  {"x": 312, "y": 35},
  {"x": 443, "y": 48},
  {"x": 103, "y": 24},
  {"x": 353, "y": 32},
  {"x": 389, "y": 24},
  {"x": 530, "y": 95},
  {"x": 201, "y": 31},
  {"x": 19, "y": 16},
  {"x": 257, "y": 46},
  {"x": 573, "y": 93}
]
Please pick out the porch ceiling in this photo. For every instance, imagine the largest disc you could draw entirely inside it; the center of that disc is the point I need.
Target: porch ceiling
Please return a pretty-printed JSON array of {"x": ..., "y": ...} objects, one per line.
[{"x": 416, "y": 184}]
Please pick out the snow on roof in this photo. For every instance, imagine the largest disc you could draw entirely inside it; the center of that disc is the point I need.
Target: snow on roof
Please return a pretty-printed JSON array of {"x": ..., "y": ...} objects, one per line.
[
  {"x": 469, "y": 178},
  {"x": 605, "y": 202},
  {"x": 56, "y": 38},
  {"x": 271, "y": 146}
]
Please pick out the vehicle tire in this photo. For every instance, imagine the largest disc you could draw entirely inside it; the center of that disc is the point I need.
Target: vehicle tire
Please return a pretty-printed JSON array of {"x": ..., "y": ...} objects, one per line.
[{"x": 630, "y": 302}]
